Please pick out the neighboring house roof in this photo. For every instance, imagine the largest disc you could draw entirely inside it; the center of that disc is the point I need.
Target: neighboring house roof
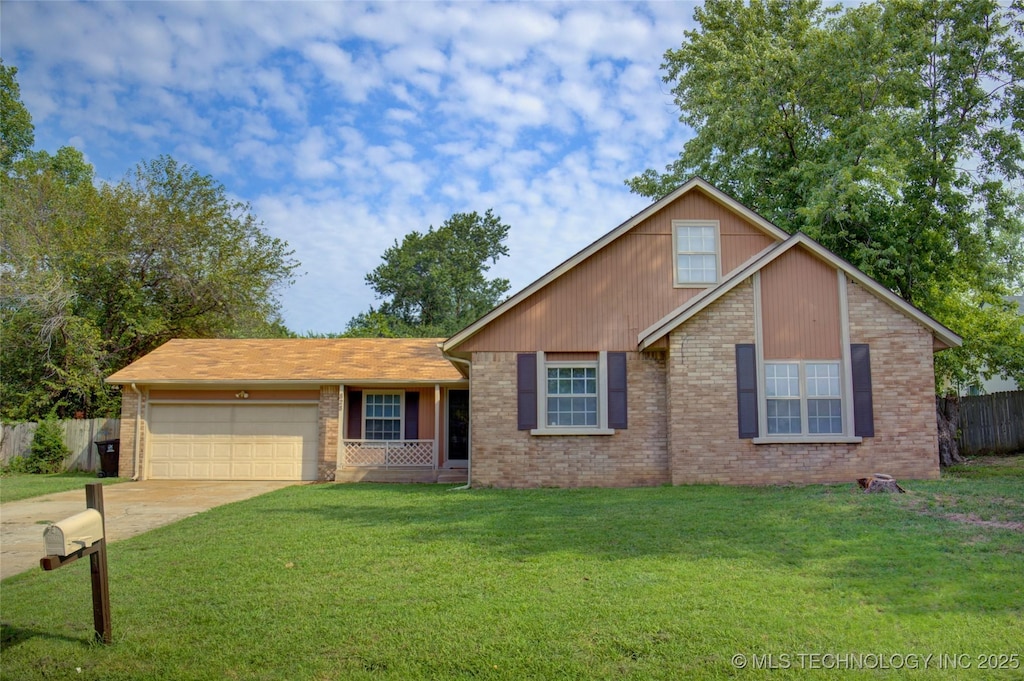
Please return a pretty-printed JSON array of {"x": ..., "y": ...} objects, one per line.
[
  {"x": 335, "y": 360},
  {"x": 695, "y": 183},
  {"x": 944, "y": 337}
]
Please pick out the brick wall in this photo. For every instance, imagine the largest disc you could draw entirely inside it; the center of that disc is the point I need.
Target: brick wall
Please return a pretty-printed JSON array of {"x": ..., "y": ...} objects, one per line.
[
  {"x": 903, "y": 389},
  {"x": 703, "y": 437},
  {"x": 328, "y": 420},
  {"x": 129, "y": 405},
  {"x": 702, "y": 394},
  {"x": 506, "y": 457}
]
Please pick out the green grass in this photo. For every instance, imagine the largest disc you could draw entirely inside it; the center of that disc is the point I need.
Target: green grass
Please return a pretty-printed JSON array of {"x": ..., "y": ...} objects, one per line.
[
  {"x": 418, "y": 582},
  {"x": 14, "y": 487}
]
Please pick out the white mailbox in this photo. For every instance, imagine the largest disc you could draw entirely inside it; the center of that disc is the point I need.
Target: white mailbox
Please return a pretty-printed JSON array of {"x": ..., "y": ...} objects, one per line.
[{"x": 74, "y": 533}]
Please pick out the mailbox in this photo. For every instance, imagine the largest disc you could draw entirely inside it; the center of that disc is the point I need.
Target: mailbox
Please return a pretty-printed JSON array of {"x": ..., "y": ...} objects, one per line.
[{"x": 77, "y": 532}]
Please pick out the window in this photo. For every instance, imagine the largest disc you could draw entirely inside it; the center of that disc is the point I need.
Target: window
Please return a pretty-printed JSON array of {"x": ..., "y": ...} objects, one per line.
[
  {"x": 787, "y": 405},
  {"x": 824, "y": 402},
  {"x": 382, "y": 414},
  {"x": 696, "y": 247},
  {"x": 572, "y": 396},
  {"x": 782, "y": 389}
]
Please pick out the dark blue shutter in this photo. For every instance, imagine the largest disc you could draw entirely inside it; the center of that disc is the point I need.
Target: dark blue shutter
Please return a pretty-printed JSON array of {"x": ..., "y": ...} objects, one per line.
[
  {"x": 355, "y": 414},
  {"x": 746, "y": 390},
  {"x": 863, "y": 409},
  {"x": 526, "y": 389},
  {"x": 412, "y": 416},
  {"x": 617, "y": 390}
]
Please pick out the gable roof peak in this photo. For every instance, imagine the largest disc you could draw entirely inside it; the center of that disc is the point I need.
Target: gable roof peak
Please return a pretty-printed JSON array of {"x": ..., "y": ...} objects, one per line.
[{"x": 693, "y": 183}]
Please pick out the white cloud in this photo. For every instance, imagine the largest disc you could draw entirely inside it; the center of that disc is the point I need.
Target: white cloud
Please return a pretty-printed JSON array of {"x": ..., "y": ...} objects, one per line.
[
  {"x": 310, "y": 161},
  {"x": 349, "y": 124}
]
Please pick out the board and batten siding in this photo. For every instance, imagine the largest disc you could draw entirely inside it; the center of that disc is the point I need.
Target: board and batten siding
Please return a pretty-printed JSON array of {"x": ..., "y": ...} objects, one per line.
[
  {"x": 606, "y": 301},
  {"x": 800, "y": 308}
]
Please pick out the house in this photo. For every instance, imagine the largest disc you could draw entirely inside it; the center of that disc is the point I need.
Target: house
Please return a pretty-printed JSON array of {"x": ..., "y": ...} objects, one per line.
[
  {"x": 694, "y": 343},
  {"x": 286, "y": 409}
]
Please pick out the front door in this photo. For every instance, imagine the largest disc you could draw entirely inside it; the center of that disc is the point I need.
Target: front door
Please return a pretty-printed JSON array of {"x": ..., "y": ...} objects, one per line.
[{"x": 458, "y": 426}]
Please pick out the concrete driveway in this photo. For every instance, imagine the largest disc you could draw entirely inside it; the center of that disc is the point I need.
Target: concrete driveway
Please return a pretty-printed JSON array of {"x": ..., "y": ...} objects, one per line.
[{"x": 131, "y": 508}]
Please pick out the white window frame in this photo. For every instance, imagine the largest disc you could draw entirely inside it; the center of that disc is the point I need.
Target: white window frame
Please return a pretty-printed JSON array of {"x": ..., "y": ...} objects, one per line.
[
  {"x": 677, "y": 226},
  {"x": 804, "y": 397},
  {"x": 601, "y": 428},
  {"x": 789, "y": 399},
  {"x": 401, "y": 413}
]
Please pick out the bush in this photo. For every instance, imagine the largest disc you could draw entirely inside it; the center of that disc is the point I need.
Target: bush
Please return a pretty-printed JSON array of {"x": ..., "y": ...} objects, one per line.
[
  {"x": 17, "y": 465},
  {"x": 48, "y": 451}
]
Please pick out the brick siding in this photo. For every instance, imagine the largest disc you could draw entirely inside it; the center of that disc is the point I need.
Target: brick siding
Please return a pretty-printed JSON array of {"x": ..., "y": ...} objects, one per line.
[
  {"x": 129, "y": 405},
  {"x": 328, "y": 421},
  {"x": 703, "y": 436},
  {"x": 506, "y": 457}
]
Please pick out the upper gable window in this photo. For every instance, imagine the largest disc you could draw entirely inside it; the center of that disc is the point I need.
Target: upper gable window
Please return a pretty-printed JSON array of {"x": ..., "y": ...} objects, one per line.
[{"x": 697, "y": 254}]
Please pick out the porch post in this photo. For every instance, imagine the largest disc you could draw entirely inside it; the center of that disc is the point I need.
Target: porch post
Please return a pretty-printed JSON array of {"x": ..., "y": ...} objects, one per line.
[
  {"x": 437, "y": 424},
  {"x": 342, "y": 420}
]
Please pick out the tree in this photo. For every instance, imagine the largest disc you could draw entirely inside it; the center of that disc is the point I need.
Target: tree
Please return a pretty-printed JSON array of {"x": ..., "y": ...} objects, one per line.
[
  {"x": 16, "y": 132},
  {"x": 889, "y": 132},
  {"x": 434, "y": 283},
  {"x": 93, "y": 277}
]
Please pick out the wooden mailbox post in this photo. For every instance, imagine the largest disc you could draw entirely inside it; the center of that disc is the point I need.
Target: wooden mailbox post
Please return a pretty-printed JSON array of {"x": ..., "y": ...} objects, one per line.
[{"x": 95, "y": 549}]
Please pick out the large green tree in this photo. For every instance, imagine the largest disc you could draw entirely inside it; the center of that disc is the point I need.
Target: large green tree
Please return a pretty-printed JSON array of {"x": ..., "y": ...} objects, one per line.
[
  {"x": 890, "y": 132},
  {"x": 95, "y": 275},
  {"x": 16, "y": 132},
  {"x": 434, "y": 283}
]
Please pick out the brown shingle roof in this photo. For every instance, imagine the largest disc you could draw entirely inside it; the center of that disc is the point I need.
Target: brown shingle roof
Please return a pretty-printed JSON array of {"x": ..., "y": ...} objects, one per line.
[{"x": 294, "y": 359}]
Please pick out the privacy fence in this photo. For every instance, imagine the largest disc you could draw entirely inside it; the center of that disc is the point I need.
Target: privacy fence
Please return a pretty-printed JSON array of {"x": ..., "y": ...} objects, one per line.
[
  {"x": 992, "y": 423},
  {"x": 79, "y": 435}
]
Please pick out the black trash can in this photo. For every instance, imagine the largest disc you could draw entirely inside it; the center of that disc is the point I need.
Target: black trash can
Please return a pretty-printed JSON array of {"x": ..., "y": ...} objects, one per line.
[{"x": 110, "y": 457}]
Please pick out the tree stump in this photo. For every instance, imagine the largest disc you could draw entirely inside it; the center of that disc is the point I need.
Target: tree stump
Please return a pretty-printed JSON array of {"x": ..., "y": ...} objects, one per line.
[{"x": 880, "y": 482}]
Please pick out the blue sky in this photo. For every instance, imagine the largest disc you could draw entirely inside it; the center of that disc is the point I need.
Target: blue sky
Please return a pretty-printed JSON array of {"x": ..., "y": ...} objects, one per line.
[{"x": 346, "y": 125}]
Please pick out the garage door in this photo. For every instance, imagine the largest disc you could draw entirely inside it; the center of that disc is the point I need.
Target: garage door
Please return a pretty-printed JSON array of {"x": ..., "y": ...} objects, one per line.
[{"x": 250, "y": 442}]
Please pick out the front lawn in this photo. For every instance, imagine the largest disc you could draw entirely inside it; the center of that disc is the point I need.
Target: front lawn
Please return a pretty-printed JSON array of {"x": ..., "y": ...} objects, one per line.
[
  {"x": 16, "y": 486},
  {"x": 418, "y": 582}
]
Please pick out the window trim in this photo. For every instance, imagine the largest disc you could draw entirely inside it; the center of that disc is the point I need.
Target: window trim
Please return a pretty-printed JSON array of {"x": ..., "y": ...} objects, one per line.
[
  {"x": 804, "y": 436},
  {"x": 401, "y": 413},
  {"x": 804, "y": 397},
  {"x": 602, "y": 401},
  {"x": 676, "y": 224}
]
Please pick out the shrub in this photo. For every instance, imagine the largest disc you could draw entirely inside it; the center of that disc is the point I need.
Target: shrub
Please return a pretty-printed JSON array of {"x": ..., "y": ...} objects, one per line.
[
  {"x": 48, "y": 451},
  {"x": 17, "y": 464}
]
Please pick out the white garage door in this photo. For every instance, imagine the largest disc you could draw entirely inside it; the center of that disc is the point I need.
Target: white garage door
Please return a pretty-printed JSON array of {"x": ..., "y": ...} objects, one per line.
[{"x": 250, "y": 442}]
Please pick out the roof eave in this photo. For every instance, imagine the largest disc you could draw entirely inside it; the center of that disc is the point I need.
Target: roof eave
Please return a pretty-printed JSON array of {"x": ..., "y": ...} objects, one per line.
[{"x": 289, "y": 382}]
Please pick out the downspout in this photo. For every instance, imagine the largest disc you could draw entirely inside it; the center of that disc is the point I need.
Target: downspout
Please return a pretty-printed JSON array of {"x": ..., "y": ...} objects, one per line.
[
  {"x": 138, "y": 436},
  {"x": 469, "y": 459}
]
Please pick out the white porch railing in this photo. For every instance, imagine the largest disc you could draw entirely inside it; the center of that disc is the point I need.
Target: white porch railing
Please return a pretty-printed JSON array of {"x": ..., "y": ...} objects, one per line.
[{"x": 389, "y": 453}]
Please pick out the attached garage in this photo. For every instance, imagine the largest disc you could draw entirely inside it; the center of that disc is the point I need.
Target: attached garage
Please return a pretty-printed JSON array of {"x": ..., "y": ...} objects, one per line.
[
  {"x": 280, "y": 408},
  {"x": 232, "y": 442}
]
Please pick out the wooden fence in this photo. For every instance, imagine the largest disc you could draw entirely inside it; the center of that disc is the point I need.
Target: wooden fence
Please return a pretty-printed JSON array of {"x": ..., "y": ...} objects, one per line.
[
  {"x": 992, "y": 423},
  {"x": 79, "y": 435}
]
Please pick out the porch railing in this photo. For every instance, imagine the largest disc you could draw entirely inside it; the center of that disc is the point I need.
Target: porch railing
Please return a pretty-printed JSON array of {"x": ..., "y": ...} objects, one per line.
[{"x": 389, "y": 453}]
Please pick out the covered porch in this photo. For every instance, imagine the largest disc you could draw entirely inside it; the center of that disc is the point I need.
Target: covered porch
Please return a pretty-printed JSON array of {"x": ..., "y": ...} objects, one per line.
[{"x": 410, "y": 433}]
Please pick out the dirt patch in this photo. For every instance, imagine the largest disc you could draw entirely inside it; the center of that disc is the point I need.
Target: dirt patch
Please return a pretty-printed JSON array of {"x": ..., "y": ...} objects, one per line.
[
  {"x": 920, "y": 505},
  {"x": 972, "y": 519}
]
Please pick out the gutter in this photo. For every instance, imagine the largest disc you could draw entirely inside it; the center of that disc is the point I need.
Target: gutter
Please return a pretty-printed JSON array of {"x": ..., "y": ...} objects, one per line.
[
  {"x": 138, "y": 437},
  {"x": 469, "y": 459}
]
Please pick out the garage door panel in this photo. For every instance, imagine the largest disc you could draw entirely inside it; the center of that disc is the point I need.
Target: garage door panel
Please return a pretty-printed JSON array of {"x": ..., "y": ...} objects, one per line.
[{"x": 251, "y": 442}]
